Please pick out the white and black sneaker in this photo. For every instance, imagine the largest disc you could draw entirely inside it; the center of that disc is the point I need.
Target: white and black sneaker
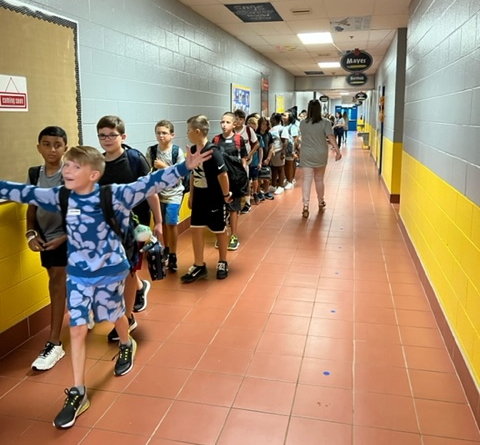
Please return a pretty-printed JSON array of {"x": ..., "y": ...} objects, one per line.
[
  {"x": 125, "y": 357},
  {"x": 222, "y": 270},
  {"x": 48, "y": 356},
  {"x": 195, "y": 273},
  {"x": 141, "y": 297},
  {"x": 75, "y": 404}
]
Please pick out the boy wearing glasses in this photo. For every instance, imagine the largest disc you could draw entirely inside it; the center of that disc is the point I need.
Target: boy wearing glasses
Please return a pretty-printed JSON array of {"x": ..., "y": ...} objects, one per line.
[
  {"x": 160, "y": 156},
  {"x": 123, "y": 168}
]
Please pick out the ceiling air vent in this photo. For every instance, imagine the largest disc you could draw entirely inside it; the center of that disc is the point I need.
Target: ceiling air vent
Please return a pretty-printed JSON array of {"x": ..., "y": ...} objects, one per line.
[
  {"x": 301, "y": 11},
  {"x": 314, "y": 73}
]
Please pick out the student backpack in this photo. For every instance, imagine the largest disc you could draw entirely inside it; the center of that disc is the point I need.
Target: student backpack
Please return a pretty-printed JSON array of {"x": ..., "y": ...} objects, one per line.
[
  {"x": 152, "y": 150},
  {"x": 128, "y": 238},
  {"x": 34, "y": 174},
  {"x": 237, "y": 175}
]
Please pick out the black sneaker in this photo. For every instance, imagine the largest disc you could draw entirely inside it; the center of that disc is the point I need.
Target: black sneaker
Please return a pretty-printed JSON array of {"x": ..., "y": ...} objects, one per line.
[
  {"x": 222, "y": 270},
  {"x": 246, "y": 208},
  {"x": 172, "y": 262},
  {"x": 141, "y": 297},
  {"x": 195, "y": 273},
  {"x": 74, "y": 405},
  {"x": 126, "y": 354},
  {"x": 113, "y": 335}
]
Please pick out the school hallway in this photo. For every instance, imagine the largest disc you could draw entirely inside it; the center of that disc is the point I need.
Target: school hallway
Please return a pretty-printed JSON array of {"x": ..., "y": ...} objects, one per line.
[{"x": 321, "y": 334}]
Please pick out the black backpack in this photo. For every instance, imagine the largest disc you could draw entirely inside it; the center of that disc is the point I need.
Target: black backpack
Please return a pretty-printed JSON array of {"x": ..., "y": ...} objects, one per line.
[
  {"x": 153, "y": 155},
  {"x": 128, "y": 238},
  {"x": 237, "y": 175}
]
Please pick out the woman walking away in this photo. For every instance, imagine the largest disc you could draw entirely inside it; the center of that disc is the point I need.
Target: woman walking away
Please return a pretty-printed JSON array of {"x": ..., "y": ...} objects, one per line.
[
  {"x": 338, "y": 127},
  {"x": 314, "y": 153}
]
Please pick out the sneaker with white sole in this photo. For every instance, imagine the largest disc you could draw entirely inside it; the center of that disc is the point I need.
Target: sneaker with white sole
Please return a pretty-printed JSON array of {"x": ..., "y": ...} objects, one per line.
[
  {"x": 278, "y": 191},
  {"x": 233, "y": 243},
  {"x": 126, "y": 354},
  {"x": 195, "y": 273},
  {"x": 75, "y": 404},
  {"x": 48, "y": 356},
  {"x": 222, "y": 270},
  {"x": 289, "y": 186},
  {"x": 141, "y": 297}
]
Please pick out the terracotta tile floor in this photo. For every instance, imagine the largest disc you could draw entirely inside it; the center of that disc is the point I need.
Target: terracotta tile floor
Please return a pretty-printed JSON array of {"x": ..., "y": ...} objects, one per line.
[{"x": 320, "y": 335}]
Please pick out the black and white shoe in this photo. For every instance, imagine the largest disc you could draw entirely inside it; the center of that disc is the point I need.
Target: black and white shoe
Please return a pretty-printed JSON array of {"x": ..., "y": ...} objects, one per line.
[
  {"x": 75, "y": 404},
  {"x": 126, "y": 354},
  {"x": 195, "y": 273},
  {"x": 222, "y": 270},
  {"x": 172, "y": 262},
  {"x": 141, "y": 297}
]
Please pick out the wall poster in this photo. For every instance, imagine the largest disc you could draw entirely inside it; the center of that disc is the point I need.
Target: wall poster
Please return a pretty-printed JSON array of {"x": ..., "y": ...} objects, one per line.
[
  {"x": 279, "y": 103},
  {"x": 241, "y": 98}
]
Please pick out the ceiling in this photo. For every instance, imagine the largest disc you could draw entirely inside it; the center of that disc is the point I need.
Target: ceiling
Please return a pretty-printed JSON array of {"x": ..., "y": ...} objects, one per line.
[{"x": 369, "y": 25}]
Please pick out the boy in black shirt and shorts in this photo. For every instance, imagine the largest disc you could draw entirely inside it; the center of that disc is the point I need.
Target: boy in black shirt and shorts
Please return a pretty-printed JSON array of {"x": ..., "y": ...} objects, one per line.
[{"x": 209, "y": 192}]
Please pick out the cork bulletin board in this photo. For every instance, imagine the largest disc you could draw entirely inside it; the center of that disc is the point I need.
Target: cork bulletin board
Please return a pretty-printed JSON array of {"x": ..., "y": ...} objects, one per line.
[{"x": 41, "y": 49}]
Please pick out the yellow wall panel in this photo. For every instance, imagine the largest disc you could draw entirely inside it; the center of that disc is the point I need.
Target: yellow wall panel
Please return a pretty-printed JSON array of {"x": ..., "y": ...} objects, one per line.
[
  {"x": 444, "y": 227},
  {"x": 23, "y": 281},
  {"x": 475, "y": 228}
]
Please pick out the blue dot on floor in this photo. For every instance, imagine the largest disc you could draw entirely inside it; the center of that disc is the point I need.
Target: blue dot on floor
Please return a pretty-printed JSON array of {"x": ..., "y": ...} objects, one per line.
[
  {"x": 333, "y": 311},
  {"x": 326, "y": 372}
]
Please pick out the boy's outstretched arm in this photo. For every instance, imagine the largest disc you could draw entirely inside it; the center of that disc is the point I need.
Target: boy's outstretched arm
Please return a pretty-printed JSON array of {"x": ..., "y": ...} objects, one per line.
[{"x": 30, "y": 194}]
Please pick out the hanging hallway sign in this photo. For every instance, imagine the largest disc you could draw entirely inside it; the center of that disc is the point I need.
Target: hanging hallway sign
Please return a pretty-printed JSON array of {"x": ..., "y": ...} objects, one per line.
[
  {"x": 356, "y": 61},
  {"x": 356, "y": 79},
  {"x": 361, "y": 96},
  {"x": 13, "y": 93}
]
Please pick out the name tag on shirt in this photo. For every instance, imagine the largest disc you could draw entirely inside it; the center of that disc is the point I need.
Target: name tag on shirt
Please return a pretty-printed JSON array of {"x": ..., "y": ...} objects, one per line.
[{"x": 73, "y": 212}]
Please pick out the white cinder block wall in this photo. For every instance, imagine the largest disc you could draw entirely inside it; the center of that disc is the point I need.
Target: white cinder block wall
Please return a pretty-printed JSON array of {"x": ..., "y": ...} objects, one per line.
[
  {"x": 442, "y": 115},
  {"x": 147, "y": 60}
]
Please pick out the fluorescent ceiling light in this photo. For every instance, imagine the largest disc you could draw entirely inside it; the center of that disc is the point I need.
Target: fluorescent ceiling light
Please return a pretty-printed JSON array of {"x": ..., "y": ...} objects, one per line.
[
  {"x": 315, "y": 37},
  {"x": 344, "y": 94},
  {"x": 329, "y": 64}
]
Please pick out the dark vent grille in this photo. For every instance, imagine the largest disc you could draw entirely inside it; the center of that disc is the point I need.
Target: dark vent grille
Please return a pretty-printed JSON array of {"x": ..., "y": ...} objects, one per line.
[{"x": 314, "y": 73}]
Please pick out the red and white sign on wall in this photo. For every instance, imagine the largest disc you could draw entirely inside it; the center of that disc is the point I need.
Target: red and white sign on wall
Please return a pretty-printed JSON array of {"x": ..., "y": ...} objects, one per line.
[{"x": 13, "y": 93}]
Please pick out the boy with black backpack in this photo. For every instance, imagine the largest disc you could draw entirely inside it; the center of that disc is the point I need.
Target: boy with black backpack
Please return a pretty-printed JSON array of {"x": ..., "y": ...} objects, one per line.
[
  {"x": 97, "y": 264},
  {"x": 209, "y": 192},
  {"x": 233, "y": 144},
  {"x": 46, "y": 235},
  {"x": 160, "y": 156},
  {"x": 123, "y": 165}
]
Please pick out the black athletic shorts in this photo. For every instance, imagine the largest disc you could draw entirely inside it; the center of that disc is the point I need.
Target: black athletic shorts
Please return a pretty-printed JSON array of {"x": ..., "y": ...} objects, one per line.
[
  {"x": 203, "y": 215},
  {"x": 54, "y": 258}
]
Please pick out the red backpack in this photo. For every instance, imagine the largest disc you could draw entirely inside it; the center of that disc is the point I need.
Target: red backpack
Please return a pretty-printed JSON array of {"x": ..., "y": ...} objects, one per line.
[{"x": 236, "y": 138}]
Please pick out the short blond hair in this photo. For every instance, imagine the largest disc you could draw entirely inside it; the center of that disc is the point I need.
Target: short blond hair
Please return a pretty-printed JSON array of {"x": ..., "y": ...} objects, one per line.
[
  {"x": 86, "y": 155},
  {"x": 199, "y": 122}
]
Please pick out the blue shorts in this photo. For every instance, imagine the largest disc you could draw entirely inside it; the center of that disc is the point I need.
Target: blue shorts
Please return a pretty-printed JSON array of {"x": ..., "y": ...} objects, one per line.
[
  {"x": 106, "y": 301},
  {"x": 253, "y": 171},
  {"x": 170, "y": 213}
]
